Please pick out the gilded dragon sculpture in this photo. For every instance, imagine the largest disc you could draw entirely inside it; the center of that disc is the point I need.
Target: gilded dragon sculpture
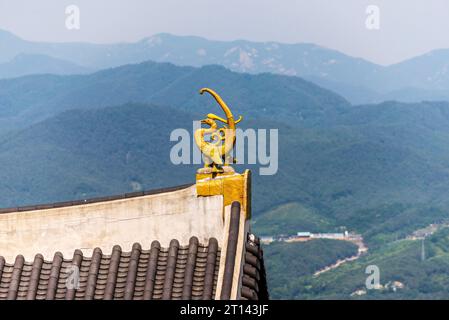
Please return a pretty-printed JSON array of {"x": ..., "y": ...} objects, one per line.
[{"x": 217, "y": 144}]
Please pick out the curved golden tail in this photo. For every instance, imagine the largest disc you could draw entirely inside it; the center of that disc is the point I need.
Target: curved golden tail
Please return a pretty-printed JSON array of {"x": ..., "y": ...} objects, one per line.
[
  {"x": 229, "y": 130},
  {"x": 230, "y": 118}
]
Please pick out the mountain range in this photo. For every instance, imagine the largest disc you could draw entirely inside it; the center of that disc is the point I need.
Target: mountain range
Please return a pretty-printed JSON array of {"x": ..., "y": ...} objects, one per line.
[{"x": 421, "y": 78}]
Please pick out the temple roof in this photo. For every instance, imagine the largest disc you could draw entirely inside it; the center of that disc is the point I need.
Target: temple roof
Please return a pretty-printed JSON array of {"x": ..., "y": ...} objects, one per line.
[{"x": 161, "y": 244}]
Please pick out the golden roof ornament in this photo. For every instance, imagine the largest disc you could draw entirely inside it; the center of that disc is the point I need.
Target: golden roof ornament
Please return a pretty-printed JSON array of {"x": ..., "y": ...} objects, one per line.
[
  {"x": 217, "y": 177},
  {"x": 217, "y": 144}
]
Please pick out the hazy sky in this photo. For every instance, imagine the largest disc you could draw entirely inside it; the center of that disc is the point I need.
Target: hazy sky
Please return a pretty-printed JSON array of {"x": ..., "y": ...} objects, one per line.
[{"x": 407, "y": 27}]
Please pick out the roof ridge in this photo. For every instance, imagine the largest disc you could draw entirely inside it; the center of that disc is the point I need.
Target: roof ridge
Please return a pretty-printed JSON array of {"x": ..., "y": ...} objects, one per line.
[{"x": 61, "y": 204}]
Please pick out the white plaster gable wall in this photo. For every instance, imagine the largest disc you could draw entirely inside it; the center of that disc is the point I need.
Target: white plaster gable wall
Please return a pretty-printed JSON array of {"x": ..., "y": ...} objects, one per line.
[{"x": 173, "y": 215}]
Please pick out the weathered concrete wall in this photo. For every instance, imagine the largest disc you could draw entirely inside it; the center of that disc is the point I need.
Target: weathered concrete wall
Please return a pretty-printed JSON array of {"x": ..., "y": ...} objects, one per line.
[{"x": 179, "y": 214}]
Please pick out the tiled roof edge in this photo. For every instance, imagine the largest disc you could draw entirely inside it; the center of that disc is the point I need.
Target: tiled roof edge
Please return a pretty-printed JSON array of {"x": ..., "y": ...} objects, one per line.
[
  {"x": 93, "y": 200},
  {"x": 254, "y": 281},
  {"x": 231, "y": 250},
  {"x": 47, "y": 279}
]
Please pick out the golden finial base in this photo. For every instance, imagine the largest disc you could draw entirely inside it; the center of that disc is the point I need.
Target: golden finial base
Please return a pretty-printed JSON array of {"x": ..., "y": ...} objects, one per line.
[
  {"x": 231, "y": 185},
  {"x": 214, "y": 170}
]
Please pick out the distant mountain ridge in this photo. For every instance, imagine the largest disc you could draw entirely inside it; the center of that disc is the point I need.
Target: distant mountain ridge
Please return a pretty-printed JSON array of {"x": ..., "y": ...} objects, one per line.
[
  {"x": 358, "y": 80},
  {"x": 26, "y": 100},
  {"x": 28, "y": 64}
]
